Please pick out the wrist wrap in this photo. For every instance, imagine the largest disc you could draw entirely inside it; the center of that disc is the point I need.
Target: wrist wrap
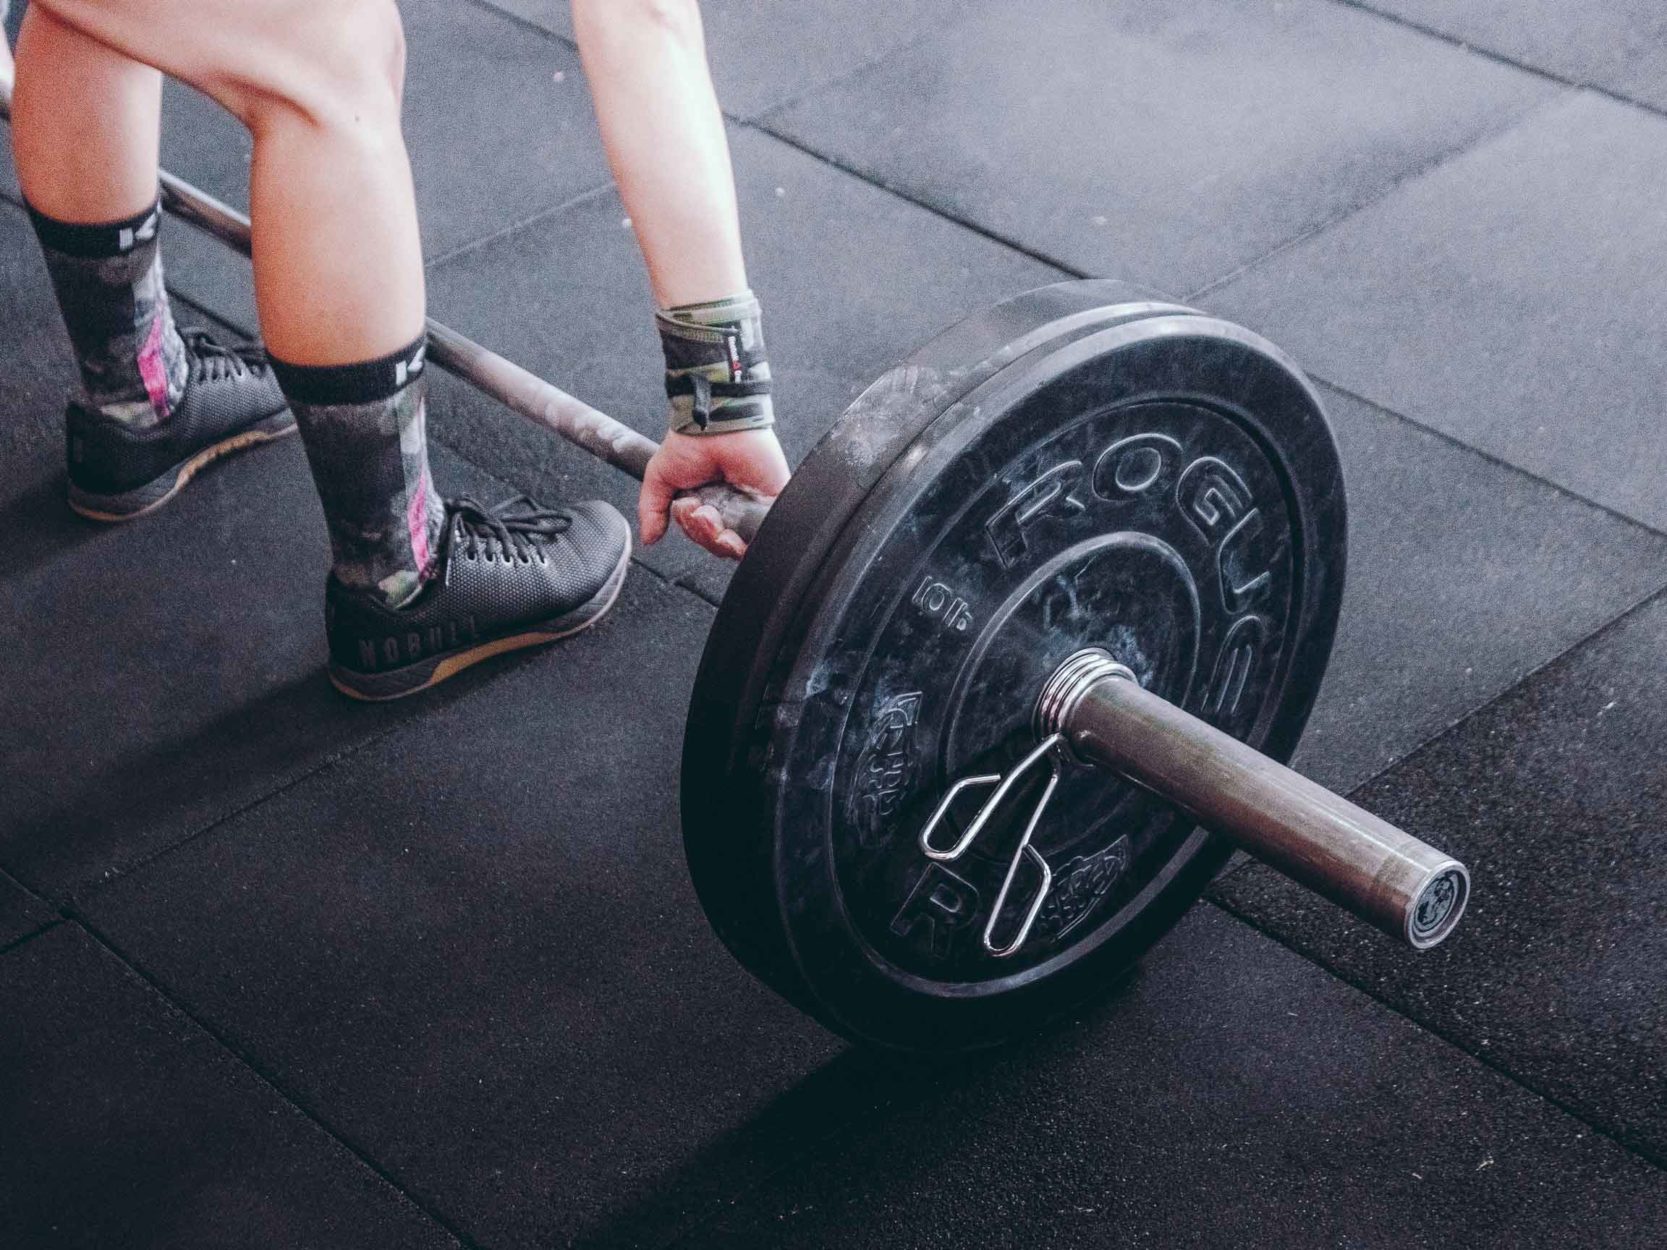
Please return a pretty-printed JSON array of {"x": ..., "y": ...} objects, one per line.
[{"x": 717, "y": 379}]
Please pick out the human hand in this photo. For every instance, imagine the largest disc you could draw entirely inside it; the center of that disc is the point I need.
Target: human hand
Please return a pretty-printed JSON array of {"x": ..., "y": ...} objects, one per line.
[{"x": 751, "y": 460}]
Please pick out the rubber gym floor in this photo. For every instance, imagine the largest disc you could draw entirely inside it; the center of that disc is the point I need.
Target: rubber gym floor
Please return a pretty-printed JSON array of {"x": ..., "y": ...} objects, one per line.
[{"x": 280, "y": 970}]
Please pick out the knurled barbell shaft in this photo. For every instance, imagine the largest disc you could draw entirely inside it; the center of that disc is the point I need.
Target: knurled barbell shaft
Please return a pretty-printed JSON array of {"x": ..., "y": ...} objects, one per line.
[
  {"x": 516, "y": 388},
  {"x": 1380, "y": 873}
]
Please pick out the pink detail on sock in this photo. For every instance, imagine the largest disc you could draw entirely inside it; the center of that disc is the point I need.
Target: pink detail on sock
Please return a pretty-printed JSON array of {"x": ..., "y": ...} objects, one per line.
[
  {"x": 416, "y": 521},
  {"x": 153, "y": 367}
]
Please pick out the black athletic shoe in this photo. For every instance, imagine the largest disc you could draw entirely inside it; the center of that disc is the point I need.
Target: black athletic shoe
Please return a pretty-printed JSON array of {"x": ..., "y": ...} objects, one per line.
[
  {"x": 512, "y": 576},
  {"x": 231, "y": 401}
]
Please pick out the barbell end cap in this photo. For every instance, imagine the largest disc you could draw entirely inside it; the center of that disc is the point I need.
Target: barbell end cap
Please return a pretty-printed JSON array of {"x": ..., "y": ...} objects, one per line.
[{"x": 1438, "y": 905}]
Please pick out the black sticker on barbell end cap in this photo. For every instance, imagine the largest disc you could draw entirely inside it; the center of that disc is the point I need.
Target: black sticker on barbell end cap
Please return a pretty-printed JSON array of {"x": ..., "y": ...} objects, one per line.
[{"x": 1438, "y": 905}]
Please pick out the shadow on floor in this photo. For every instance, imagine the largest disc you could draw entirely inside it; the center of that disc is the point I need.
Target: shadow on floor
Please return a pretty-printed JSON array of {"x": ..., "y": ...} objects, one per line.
[
  {"x": 146, "y": 802},
  {"x": 39, "y": 527},
  {"x": 860, "y": 1088}
]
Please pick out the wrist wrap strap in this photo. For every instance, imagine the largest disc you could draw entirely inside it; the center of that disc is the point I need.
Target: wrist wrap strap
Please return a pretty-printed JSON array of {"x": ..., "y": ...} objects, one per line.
[{"x": 717, "y": 378}]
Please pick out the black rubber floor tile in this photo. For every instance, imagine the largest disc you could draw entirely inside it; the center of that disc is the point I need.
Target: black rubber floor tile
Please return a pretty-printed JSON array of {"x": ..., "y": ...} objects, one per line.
[
  {"x": 36, "y": 374},
  {"x": 127, "y": 1125},
  {"x": 567, "y": 298},
  {"x": 766, "y": 54},
  {"x": 1463, "y": 576},
  {"x": 1164, "y": 143},
  {"x": 1553, "y": 797},
  {"x": 171, "y": 671},
  {"x": 1235, "y": 1095},
  {"x": 1620, "y": 45},
  {"x": 497, "y": 119},
  {"x": 1511, "y": 298},
  {"x": 21, "y": 913},
  {"x": 474, "y": 949}
]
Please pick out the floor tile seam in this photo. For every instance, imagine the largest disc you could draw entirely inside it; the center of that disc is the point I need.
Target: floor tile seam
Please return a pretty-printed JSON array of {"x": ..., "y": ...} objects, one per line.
[
  {"x": 936, "y": 210},
  {"x": 91, "y": 887},
  {"x": 1402, "y": 181},
  {"x": 271, "y": 1081},
  {"x": 7, "y": 948},
  {"x": 1434, "y": 739},
  {"x": 30, "y": 893},
  {"x": 9, "y": 878},
  {"x": 1492, "y": 458},
  {"x": 974, "y": 13},
  {"x": 684, "y": 581},
  {"x": 526, "y": 23},
  {"x": 1501, "y": 58},
  {"x": 1657, "y": 1162},
  {"x": 252, "y": 333},
  {"x": 515, "y": 227}
]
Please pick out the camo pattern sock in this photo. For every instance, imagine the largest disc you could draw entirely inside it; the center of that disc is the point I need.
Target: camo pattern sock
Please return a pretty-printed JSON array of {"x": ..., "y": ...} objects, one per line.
[
  {"x": 108, "y": 279},
  {"x": 364, "y": 427},
  {"x": 717, "y": 378}
]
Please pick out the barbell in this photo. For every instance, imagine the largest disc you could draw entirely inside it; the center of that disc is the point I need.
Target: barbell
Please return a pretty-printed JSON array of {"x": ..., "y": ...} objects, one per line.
[{"x": 1012, "y": 664}]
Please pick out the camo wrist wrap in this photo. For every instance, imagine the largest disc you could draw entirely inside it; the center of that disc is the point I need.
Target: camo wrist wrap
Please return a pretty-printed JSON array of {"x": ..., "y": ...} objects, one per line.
[{"x": 717, "y": 379}]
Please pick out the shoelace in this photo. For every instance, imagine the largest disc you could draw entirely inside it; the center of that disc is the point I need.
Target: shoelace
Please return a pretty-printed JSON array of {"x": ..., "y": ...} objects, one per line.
[
  {"x": 214, "y": 361},
  {"x": 515, "y": 527}
]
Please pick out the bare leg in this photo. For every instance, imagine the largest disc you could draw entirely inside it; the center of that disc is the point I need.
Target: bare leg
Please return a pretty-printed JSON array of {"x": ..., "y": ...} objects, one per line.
[
  {"x": 338, "y": 263},
  {"x": 86, "y": 122}
]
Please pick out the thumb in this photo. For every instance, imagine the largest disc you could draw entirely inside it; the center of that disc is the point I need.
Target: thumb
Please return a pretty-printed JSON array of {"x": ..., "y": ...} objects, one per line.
[{"x": 653, "y": 502}]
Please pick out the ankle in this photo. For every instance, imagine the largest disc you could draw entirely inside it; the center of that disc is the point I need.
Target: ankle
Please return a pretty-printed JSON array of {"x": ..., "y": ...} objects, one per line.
[
  {"x": 364, "y": 428},
  {"x": 109, "y": 281}
]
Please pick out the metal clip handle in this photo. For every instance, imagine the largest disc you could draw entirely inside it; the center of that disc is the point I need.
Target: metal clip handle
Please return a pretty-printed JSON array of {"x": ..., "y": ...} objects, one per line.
[{"x": 1048, "y": 752}]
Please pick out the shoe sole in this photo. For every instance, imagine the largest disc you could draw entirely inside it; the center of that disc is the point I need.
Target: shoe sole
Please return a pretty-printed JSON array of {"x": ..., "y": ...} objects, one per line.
[
  {"x": 415, "y": 678},
  {"x": 143, "y": 500}
]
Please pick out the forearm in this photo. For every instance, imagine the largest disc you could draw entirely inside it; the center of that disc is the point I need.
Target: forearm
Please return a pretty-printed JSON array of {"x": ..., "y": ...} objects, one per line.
[{"x": 664, "y": 135}]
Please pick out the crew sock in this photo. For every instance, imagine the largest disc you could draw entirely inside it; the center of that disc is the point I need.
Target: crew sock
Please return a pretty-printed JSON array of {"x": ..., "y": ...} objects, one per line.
[
  {"x": 364, "y": 429},
  {"x": 108, "y": 279}
]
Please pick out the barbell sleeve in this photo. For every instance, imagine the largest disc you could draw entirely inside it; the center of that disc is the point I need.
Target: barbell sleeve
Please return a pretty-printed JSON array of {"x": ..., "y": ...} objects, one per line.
[
  {"x": 516, "y": 388},
  {"x": 1319, "y": 839}
]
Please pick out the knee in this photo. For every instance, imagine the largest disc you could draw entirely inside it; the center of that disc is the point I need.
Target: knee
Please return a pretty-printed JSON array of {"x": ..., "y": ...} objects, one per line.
[{"x": 339, "y": 65}]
